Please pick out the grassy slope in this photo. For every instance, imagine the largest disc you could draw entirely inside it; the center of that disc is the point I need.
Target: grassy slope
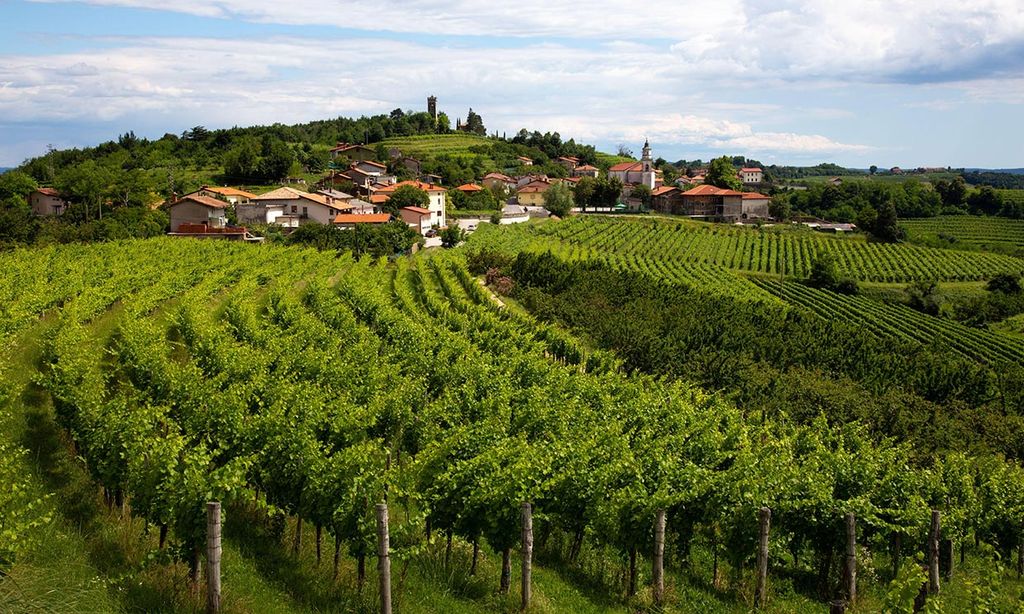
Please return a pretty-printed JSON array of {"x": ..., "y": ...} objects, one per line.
[{"x": 429, "y": 145}]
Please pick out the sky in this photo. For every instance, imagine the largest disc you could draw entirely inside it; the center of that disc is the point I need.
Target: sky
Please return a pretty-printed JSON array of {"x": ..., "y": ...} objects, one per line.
[{"x": 861, "y": 82}]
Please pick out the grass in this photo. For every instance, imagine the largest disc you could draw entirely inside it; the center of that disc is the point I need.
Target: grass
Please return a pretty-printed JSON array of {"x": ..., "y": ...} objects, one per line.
[{"x": 430, "y": 145}]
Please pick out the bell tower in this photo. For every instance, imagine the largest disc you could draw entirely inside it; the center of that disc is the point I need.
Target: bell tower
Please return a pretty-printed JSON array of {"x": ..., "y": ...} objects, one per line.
[{"x": 647, "y": 175}]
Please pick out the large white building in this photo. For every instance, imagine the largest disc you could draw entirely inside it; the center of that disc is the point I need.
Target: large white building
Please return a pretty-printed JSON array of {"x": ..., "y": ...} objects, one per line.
[
  {"x": 290, "y": 208},
  {"x": 637, "y": 173},
  {"x": 436, "y": 193}
]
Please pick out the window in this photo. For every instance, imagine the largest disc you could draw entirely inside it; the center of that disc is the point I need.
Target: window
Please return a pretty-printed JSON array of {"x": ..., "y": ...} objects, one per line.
[
  {"x": 295, "y": 209},
  {"x": 305, "y": 211}
]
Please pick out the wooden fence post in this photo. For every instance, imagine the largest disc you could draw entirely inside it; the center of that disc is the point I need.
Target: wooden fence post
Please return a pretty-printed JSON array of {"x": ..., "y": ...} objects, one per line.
[
  {"x": 213, "y": 553},
  {"x": 658, "y": 563},
  {"x": 761, "y": 596},
  {"x": 946, "y": 558},
  {"x": 933, "y": 553},
  {"x": 527, "y": 554},
  {"x": 850, "y": 579},
  {"x": 383, "y": 559}
]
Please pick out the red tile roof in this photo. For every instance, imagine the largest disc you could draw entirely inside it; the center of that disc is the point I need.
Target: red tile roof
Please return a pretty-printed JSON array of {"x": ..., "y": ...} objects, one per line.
[
  {"x": 426, "y": 187},
  {"x": 755, "y": 196},
  {"x": 206, "y": 201},
  {"x": 49, "y": 192},
  {"x": 228, "y": 191},
  {"x": 710, "y": 190},
  {"x": 365, "y": 218},
  {"x": 586, "y": 167},
  {"x": 626, "y": 166},
  {"x": 663, "y": 189},
  {"x": 419, "y": 210},
  {"x": 500, "y": 176},
  {"x": 469, "y": 187},
  {"x": 752, "y": 169}
]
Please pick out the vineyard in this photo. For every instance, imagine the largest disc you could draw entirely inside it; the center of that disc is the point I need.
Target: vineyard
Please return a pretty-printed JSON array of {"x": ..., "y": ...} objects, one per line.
[
  {"x": 976, "y": 230},
  {"x": 432, "y": 145},
  {"x": 318, "y": 386},
  {"x": 768, "y": 251}
]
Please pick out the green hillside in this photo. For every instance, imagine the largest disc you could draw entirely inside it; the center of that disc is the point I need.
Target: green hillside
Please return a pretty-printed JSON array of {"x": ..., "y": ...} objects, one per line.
[{"x": 430, "y": 145}]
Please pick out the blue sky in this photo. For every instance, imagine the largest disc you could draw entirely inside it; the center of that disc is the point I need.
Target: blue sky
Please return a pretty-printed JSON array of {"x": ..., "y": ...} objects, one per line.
[{"x": 906, "y": 83}]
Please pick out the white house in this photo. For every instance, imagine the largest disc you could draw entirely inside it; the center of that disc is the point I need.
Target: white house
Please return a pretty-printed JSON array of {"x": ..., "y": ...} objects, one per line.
[
  {"x": 637, "y": 173},
  {"x": 751, "y": 175}
]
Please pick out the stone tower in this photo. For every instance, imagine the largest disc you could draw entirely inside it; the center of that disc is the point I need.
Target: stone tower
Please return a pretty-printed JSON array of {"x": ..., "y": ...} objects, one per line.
[{"x": 432, "y": 107}]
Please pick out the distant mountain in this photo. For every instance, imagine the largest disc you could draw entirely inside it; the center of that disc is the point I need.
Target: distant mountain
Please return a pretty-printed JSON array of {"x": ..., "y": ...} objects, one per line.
[
  {"x": 1009, "y": 171},
  {"x": 4, "y": 169}
]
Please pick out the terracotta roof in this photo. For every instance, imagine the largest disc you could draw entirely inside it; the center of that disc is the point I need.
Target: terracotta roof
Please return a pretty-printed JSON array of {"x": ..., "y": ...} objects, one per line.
[
  {"x": 49, "y": 192},
  {"x": 626, "y": 166},
  {"x": 710, "y": 190},
  {"x": 752, "y": 169},
  {"x": 419, "y": 210},
  {"x": 663, "y": 189},
  {"x": 755, "y": 196},
  {"x": 349, "y": 147},
  {"x": 586, "y": 167},
  {"x": 206, "y": 201},
  {"x": 365, "y": 218},
  {"x": 377, "y": 199},
  {"x": 498, "y": 176},
  {"x": 469, "y": 187},
  {"x": 286, "y": 193},
  {"x": 225, "y": 191},
  {"x": 426, "y": 187},
  {"x": 536, "y": 186},
  {"x": 370, "y": 162}
]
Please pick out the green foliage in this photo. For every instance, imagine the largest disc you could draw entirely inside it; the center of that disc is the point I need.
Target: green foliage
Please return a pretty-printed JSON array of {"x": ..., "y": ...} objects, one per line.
[
  {"x": 904, "y": 588},
  {"x": 558, "y": 199},
  {"x": 452, "y": 235},
  {"x": 721, "y": 173},
  {"x": 406, "y": 196},
  {"x": 384, "y": 240}
]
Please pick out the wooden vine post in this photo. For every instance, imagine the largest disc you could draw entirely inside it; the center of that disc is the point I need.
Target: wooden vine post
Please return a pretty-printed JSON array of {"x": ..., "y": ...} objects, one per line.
[
  {"x": 658, "y": 562},
  {"x": 850, "y": 577},
  {"x": 383, "y": 558},
  {"x": 213, "y": 554},
  {"x": 527, "y": 554},
  {"x": 761, "y": 596},
  {"x": 933, "y": 553}
]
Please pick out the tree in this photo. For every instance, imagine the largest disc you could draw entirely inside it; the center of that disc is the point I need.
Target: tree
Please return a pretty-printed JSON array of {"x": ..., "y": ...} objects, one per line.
[
  {"x": 276, "y": 160},
  {"x": 722, "y": 174},
  {"x": 585, "y": 192},
  {"x": 823, "y": 271},
  {"x": 474, "y": 124},
  {"x": 1007, "y": 283},
  {"x": 922, "y": 295},
  {"x": 558, "y": 199},
  {"x": 452, "y": 235},
  {"x": 607, "y": 192},
  {"x": 886, "y": 227},
  {"x": 985, "y": 201},
  {"x": 780, "y": 209},
  {"x": 242, "y": 161},
  {"x": 15, "y": 186},
  {"x": 873, "y": 169},
  {"x": 623, "y": 151},
  {"x": 953, "y": 193},
  {"x": 643, "y": 194},
  {"x": 406, "y": 196}
]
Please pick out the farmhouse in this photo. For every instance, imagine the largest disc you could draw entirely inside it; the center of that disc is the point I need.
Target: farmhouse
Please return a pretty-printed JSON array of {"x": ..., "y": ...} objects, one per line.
[
  {"x": 498, "y": 180},
  {"x": 197, "y": 210},
  {"x": 532, "y": 194},
  {"x": 290, "y": 207},
  {"x": 586, "y": 170},
  {"x": 525, "y": 161},
  {"x": 352, "y": 152},
  {"x": 568, "y": 162},
  {"x": 46, "y": 201},
  {"x": 709, "y": 202}
]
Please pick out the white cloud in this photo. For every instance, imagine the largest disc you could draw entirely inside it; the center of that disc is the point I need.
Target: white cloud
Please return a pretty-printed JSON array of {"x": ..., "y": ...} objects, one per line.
[
  {"x": 579, "y": 93},
  {"x": 866, "y": 40}
]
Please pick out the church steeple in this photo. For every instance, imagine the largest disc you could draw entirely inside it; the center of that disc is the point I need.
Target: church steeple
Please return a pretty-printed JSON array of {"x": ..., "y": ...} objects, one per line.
[
  {"x": 647, "y": 151},
  {"x": 647, "y": 174}
]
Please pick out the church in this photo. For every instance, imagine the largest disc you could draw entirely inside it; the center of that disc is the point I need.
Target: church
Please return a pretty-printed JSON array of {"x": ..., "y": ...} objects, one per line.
[{"x": 638, "y": 173}]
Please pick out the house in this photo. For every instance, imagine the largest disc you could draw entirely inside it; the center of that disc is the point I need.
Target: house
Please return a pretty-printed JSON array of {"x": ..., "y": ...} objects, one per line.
[
  {"x": 416, "y": 217},
  {"x": 524, "y": 160},
  {"x": 412, "y": 165},
  {"x": 436, "y": 193},
  {"x": 637, "y": 173},
  {"x": 469, "y": 188},
  {"x": 751, "y": 175},
  {"x": 896, "y": 170},
  {"x": 532, "y": 194},
  {"x": 496, "y": 181},
  {"x": 352, "y": 152},
  {"x": 231, "y": 195},
  {"x": 528, "y": 179},
  {"x": 290, "y": 208},
  {"x": 348, "y": 221},
  {"x": 429, "y": 178},
  {"x": 568, "y": 162},
  {"x": 197, "y": 210},
  {"x": 755, "y": 206},
  {"x": 586, "y": 170},
  {"x": 46, "y": 201},
  {"x": 338, "y": 196},
  {"x": 361, "y": 207},
  {"x": 370, "y": 167}
]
